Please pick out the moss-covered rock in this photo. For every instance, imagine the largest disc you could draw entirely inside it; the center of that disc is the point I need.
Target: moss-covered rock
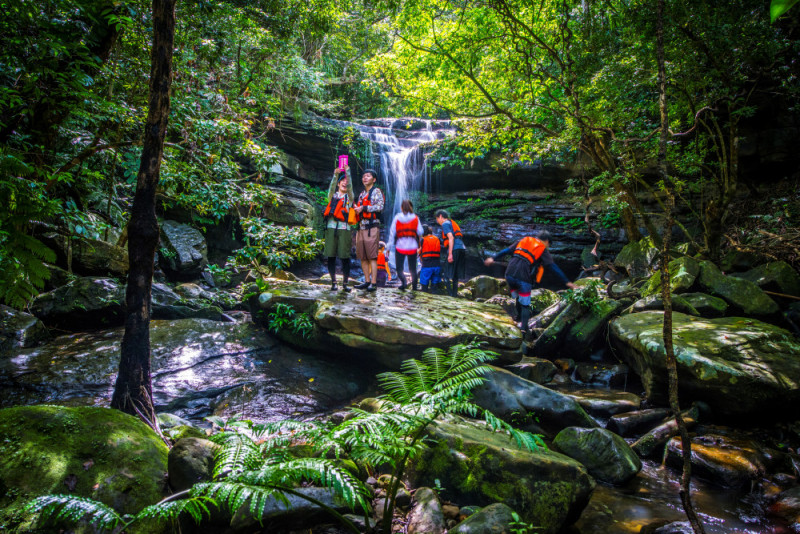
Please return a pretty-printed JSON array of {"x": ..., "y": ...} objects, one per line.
[
  {"x": 776, "y": 276},
  {"x": 493, "y": 519},
  {"x": 637, "y": 257},
  {"x": 99, "y": 453},
  {"x": 483, "y": 467},
  {"x": 738, "y": 292},
  {"x": 683, "y": 272},
  {"x": 655, "y": 302},
  {"x": 484, "y": 287},
  {"x": 184, "y": 252},
  {"x": 387, "y": 325},
  {"x": 739, "y": 366},
  {"x": 705, "y": 305},
  {"x": 191, "y": 460},
  {"x": 605, "y": 455}
]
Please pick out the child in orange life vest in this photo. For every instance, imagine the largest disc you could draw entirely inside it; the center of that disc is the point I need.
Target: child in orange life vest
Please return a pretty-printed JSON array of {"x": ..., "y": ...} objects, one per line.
[
  {"x": 384, "y": 273},
  {"x": 530, "y": 258},
  {"x": 338, "y": 236},
  {"x": 429, "y": 250}
]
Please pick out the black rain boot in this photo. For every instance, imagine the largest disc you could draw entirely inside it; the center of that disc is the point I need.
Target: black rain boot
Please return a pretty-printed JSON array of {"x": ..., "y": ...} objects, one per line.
[
  {"x": 517, "y": 311},
  {"x": 345, "y": 274},
  {"x": 525, "y": 317},
  {"x": 332, "y": 272}
]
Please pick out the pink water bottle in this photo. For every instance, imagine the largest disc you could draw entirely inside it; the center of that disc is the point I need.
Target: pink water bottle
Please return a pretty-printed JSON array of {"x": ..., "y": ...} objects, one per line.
[{"x": 342, "y": 162}]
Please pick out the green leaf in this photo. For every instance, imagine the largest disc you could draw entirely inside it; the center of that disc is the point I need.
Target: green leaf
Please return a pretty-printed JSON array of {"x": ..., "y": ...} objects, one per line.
[{"x": 779, "y": 7}]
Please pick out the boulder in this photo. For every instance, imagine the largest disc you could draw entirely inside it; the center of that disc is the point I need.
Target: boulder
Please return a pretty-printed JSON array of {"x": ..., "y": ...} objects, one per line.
[
  {"x": 777, "y": 276},
  {"x": 88, "y": 257},
  {"x": 479, "y": 466},
  {"x": 426, "y": 516},
  {"x": 602, "y": 374},
  {"x": 576, "y": 329},
  {"x": 293, "y": 206},
  {"x": 738, "y": 292},
  {"x": 99, "y": 453},
  {"x": 485, "y": 287},
  {"x": 631, "y": 423},
  {"x": 296, "y": 512},
  {"x": 787, "y": 507},
  {"x": 704, "y": 305},
  {"x": 536, "y": 370},
  {"x": 604, "y": 403},
  {"x": 183, "y": 251},
  {"x": 19, "y": 329},
  {"x": 636, "y": 258},
  {"x": 740, "y": 367},
  {"x": 655, "y": 302},
  {"x": 605, "y": 455},
  {"x": 652, "y": 442},
  {"x": 508, "y": 395},
  {"x": 389, "y": 326},
  {"x": 190, "y": 460},
  {"x": 493, "y": 519},
  {"x": 683, "y": 272}
]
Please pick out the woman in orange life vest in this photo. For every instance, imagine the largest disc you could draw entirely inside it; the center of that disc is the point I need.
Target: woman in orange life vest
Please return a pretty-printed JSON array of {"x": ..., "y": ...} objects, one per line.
[
  {"x": 338, "y": 236},
  {"x": 384, "y": 273},
  {"x": 529, "y": 259},
  {"x": 404, "y": 237},
  {"x": 429, "y": 251}
]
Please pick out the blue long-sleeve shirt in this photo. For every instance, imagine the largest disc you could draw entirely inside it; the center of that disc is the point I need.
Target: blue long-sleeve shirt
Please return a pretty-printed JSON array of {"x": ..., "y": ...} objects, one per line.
[{"x": 515, "y": 267}]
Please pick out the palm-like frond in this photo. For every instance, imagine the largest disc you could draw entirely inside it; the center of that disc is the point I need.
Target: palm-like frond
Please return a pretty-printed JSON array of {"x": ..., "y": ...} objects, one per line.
[
  {"x": 195, "y": 507},
  {"x": 71, "y": 509},
  {"x": 238, "y": 453}
]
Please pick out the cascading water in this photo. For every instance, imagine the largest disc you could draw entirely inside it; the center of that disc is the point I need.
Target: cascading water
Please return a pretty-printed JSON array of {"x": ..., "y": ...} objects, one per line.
[{"x": 398, "y": 155}]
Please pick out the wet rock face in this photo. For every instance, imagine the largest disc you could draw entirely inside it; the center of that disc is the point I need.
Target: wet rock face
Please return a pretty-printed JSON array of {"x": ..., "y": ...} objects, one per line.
[
  {"x": 483, "y": 467},
  {"x": 200, "y": 368},
  {"x": 48, "y": 449},
  {"x": 19, "y": 329},
  {"x": 776, "y": 276},
  {"x": 740, "y": 293},
  {"x": 495, "y": 518},
  {"x": 740, "y": 367},
  {"x": 183, "y": 253},
  {"x": 388, "y": 326},
  {"x": 88, "y": 257},
  {"x": 605, "y": 455}
]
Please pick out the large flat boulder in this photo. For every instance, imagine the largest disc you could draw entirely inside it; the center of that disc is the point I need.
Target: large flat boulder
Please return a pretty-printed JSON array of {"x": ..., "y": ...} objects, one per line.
[
  {"x": 389, "y": 326},
  {"x": 742, "y": 294},
  {"x": 739, "y": 366},
  {"x": 482, "y": 467}
]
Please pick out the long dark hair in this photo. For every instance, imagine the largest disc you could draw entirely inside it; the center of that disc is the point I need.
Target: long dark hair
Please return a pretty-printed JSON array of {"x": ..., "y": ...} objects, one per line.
[{"x": 407, "y": 207}]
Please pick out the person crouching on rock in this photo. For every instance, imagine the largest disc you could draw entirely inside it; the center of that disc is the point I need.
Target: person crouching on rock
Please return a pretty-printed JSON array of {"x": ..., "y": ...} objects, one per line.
[
  {"x": 429, "y": 250},
  {"x": 384, "y": 273},
  {"x": 338, "y": 236},
  {"x": 369, "y": 207},
  {"x": 527, "y": 264},
  {"x": 405, "y": 234}
]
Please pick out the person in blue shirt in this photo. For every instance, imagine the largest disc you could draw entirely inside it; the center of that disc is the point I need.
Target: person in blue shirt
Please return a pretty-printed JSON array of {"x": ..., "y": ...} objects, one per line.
[
  {"x": 529, "y": 259},
  {"x": 453, "y": 243}
]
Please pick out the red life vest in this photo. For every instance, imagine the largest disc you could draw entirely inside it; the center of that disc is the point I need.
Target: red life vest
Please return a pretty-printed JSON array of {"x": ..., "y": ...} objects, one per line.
[
  {"x": 431, "y": 248},
  {"x": 456, "y": 233},
  {"x": 381, "y": 260},
  {"x": 338, "y": 212},
  {"x": 407, "y": 229},
  {"x": 366, "y": 201}
]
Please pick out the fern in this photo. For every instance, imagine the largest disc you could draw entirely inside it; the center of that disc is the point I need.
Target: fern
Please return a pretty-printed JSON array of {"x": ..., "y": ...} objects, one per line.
[{"x": 71, "y": 509}]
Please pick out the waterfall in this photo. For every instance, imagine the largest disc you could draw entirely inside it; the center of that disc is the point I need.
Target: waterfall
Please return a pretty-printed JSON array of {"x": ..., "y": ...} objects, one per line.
[{"x": 398, "y": 155}]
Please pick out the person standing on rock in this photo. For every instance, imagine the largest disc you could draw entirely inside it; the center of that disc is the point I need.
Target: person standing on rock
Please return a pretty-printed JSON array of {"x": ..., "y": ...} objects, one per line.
[
  {"x": 429, "y": 252},
  {"x": 405, "y": 234},
  {"x": 369, "y": 207},
  {"x": 338, "y": 236},
  {"x": 453, "y": 243},
  {"x": 526, "y": 266}
]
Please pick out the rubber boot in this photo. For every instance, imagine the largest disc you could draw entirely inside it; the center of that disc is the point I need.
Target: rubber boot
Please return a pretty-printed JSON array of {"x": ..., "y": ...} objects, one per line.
[
  {"x": 525, "y": 317},
  {"x": 332, "y": 272}
]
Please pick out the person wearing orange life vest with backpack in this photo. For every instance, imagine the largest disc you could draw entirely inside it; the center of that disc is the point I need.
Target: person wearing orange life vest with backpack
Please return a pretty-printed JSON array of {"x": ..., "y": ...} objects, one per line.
[
  {"x": 529, "y": 259},
  {"x": 338, "y": 236},
  {"x": 453, "y": 244},
  {"x": 384, "y": 273},
  {"x": 405, "y": 234},
  {"x": 429, "y": 251}
]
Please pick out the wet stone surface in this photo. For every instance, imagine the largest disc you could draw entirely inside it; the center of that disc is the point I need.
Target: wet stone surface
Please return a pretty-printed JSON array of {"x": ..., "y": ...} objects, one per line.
[{"x": 200, "y": 367}]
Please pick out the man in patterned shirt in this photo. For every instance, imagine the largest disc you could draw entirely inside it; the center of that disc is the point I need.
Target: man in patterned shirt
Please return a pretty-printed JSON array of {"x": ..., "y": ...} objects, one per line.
[{"x": 369, "y": 207}]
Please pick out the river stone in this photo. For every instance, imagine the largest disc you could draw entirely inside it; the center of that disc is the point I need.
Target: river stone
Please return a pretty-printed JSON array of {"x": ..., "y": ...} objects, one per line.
[
  {"x": 605, "y": 455},
  {"x": 777, "y": 276},
  {"x": 482, "y": 467},
  {"x": 199, "y": 368},
  {"x": 190, "y": 460},
  {"x": 603, "y": 402},
  {"x": 89, "y": 257},
  {"x": 652, "y": 442},
  {"x": 536, "y": 370},
  {"x": 493, "y": 519},
  {"x": 631, "y": 423},
  {"x": 389, "y": 326},
  {"x": 298, "y": 513},
  {"x": 576, "y": 329},
  {"x": 788, "y": 507},
  {"x": 683, "y": 272},
  {"x": 655, "y": 302},
  {"x": 602, "y": 374},
  {"x": 508, "y": 395},
  {"x": 738, "y": 292},
  {"x": 705, "y": 305},
  {"x": 740, "y": 367},
  {"x": 426, "y": 517},
  {"x": 19, "y": 329},
  {"x": 183, "y": 252},
  {"x": 636, "y": 258},
  {"x": 724, "y": 460},
  {"x": 102, "y": 454},
  {"x": 484, "y": 287}
]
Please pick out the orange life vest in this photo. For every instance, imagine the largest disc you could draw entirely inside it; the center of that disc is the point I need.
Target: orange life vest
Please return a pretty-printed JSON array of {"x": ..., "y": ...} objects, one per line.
[
  {"x": 366, "y": 201},
  {"x": 431, "y": 248},
  {"x": 407, "y": 229},
  {"x": 456, "y": 233},
  {"x": 338, "y": 212},
  {"x": 381, "y": 260},
  {"x": 530, "y": 248}
]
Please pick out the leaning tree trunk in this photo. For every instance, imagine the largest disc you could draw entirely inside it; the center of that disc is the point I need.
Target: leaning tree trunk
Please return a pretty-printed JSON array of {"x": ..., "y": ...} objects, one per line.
[
  {"x": 133, "y": 392},
  {"x": 666, "y": 286}
]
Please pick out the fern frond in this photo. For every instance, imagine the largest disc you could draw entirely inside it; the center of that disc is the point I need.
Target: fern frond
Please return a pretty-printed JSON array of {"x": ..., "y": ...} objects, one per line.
[
  {"x": 71, "y": 509},
  {"x": 195, "y": 507},
  {"x": 237, "y": 453}
]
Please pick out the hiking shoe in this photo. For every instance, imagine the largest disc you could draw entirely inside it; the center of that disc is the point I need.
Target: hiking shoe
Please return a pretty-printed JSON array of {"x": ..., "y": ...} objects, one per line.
[
  {"x": 362, "y": 285},
  {"x": 334, "y": 287},
  {"x": 371, "y": 287},
  {"x": 346, "y": 288}
]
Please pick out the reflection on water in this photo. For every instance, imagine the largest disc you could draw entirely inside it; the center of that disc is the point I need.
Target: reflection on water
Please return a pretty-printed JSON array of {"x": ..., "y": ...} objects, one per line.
[{"x": 652, "y": 497}]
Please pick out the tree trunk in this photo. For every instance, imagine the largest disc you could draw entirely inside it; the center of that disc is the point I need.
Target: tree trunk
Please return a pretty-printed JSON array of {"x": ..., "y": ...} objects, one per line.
[
  {"x": 133, "y": 391},
  {"x": 666, "y": 286}
]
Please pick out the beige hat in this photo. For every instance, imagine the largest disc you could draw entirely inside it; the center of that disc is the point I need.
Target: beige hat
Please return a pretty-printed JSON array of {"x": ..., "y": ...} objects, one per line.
[{"x": 381, "y": 244}]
